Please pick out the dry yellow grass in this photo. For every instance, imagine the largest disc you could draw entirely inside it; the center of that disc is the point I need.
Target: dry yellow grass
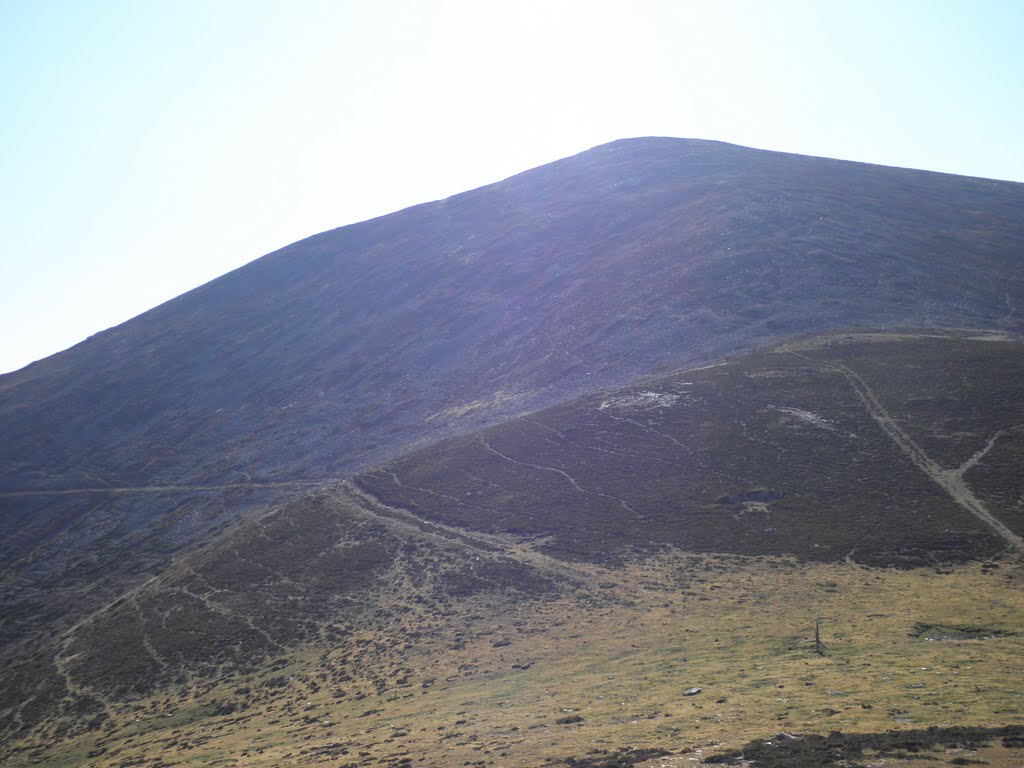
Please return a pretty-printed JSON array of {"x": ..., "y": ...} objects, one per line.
[{"x": 490, "y": 685}]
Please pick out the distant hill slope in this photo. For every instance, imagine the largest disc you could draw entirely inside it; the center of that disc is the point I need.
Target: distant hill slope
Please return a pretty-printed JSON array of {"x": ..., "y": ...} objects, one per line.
[
  {"x": 859, "y": 447},
  {"x": 342, "y": 350},
  {"x": 874, "y": 450}
]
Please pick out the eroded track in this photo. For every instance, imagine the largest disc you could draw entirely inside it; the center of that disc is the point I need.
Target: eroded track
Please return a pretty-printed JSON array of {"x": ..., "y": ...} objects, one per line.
[{"x": 949, "y": 480}]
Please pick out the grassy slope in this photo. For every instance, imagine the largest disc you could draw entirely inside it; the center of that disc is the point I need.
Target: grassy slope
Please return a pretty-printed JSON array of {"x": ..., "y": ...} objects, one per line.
[
  {"x": 490, "y": 683},
  {"x": 341, "y": 629}
]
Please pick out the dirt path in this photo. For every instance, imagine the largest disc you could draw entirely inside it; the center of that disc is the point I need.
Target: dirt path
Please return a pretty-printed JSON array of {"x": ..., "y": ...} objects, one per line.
[
  {"x": 170, "y": 488},
  {"x": 566, "y": 475},
  {"x": 951, "y": 481},
  {"x": 363, "y": 502},
  {"x": 966, "y": 466}
]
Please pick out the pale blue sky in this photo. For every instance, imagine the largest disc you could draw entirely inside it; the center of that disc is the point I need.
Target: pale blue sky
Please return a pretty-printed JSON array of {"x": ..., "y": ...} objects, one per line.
[{"x": 148, "y": 146}]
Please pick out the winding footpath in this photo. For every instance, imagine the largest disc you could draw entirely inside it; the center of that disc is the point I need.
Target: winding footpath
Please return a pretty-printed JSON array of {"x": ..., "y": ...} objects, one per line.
[
  {"x": 115, "y": 489},
  {"x": 950, "y": 480}
]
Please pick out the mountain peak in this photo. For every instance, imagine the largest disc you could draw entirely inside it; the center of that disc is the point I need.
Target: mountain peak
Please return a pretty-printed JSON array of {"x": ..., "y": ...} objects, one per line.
[{"x": 343, "y": 351}]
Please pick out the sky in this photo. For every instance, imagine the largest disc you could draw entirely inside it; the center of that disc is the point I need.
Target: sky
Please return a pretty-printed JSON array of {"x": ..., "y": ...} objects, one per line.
[{"x": 147, "y": 147}]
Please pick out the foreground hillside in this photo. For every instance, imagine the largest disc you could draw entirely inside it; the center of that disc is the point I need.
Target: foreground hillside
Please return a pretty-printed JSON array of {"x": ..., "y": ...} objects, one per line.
[
  {"x": 343, "y": 350},
  {"x": 557, "y": 587}
]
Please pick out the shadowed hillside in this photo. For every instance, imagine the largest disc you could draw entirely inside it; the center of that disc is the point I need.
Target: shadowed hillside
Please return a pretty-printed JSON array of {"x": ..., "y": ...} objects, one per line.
[
  {"x": 631, "y": 545},
  {"x": 786, "y": 451},
  {"x": 342, "y": 350}
]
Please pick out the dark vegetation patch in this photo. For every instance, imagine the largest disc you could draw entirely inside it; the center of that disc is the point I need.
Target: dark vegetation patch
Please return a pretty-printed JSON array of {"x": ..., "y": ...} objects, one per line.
[
  {"x": 958, "y": 632},
  {"x": 569, "y": 720},
  {"x": 625, "y": 758},
  {"x": 772, "y": 453},
  {"x": 847, "y": 749},
  {"x": 757, "y": 494}
]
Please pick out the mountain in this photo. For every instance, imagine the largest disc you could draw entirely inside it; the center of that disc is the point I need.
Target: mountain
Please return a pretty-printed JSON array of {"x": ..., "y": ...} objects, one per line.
[
  {"x": 460, "y": 421},
  {"x": 344, "y": 349},
  {"x": 560, "y": 580}
]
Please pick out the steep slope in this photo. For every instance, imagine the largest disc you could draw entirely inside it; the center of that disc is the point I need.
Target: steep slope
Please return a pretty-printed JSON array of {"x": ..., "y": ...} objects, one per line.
[
  {"x": 717, "y": 502},
  {"x": 341, "y": 350}
]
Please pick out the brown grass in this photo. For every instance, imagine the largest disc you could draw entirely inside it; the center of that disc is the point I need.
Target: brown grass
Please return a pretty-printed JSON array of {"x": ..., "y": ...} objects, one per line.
[{"x": 491, "y": 684}]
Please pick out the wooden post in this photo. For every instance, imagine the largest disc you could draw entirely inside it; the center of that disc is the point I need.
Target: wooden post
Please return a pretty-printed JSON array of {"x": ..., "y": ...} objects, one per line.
[{"x": 819, "y": 647}]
